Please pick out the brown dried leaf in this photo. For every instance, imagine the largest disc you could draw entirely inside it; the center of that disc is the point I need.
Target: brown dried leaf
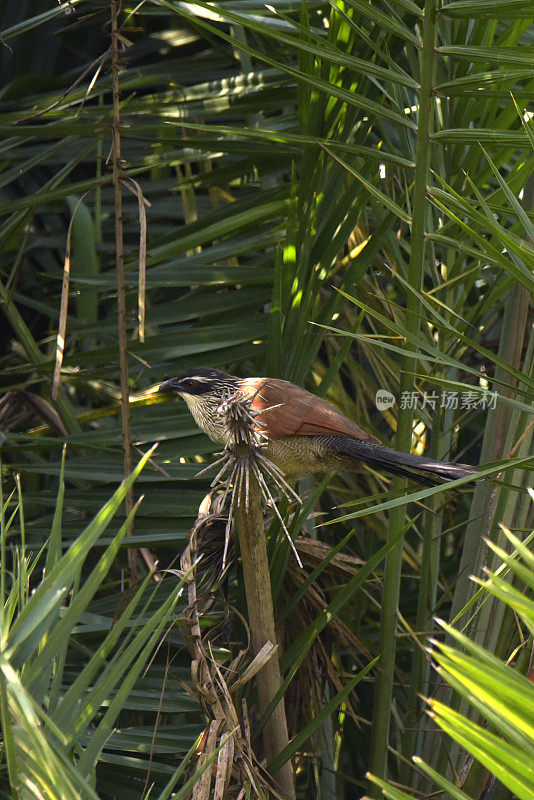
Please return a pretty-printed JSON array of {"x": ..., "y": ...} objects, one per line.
[
  {"x": 142, "y": 203},
  {"x": 225, "y": 762},
  {"x": 314, "y": 551},
  {"x": 201, "y": 790},
  {"x": 45, "y": 410},
  {"x": 62, "y": 327},
  {"x": 266, "y": 653}
]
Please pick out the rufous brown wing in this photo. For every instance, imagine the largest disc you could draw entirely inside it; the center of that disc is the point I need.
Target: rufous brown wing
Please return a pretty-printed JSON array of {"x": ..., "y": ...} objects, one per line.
[{"x": 303, "y": 414}]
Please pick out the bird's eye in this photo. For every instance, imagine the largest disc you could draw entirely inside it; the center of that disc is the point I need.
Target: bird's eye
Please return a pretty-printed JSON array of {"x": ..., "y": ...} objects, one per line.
[{"x": 190, "y": 384}]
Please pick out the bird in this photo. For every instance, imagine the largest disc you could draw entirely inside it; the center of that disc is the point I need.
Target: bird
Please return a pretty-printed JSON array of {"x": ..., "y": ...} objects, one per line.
[{"x": 303, "y": 433}]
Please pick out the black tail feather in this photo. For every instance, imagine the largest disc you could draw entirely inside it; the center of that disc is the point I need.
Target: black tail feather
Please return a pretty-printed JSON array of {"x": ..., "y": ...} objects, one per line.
[{"x": 427, "y": 471}]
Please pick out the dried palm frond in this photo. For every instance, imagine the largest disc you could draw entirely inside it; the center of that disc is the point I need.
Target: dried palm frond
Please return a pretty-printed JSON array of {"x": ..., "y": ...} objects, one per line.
[
  {"x": 244, "y": 453},
  {"x": 218, "y": 687}
]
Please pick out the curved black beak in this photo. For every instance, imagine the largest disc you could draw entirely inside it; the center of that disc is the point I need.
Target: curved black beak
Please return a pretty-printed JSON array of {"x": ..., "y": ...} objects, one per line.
[{"x": 170, "y": 386}]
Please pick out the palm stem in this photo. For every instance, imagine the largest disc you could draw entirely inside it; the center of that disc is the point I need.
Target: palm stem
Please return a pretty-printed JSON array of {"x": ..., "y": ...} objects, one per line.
[{"x": 249, "y": 518}]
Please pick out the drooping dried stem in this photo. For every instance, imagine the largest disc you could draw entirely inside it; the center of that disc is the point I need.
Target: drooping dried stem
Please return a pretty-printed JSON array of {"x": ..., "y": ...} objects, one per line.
[{"x": 121, "y": 283}]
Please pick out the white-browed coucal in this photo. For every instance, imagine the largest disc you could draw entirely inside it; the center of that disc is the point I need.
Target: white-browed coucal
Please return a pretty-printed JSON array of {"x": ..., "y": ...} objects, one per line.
[{"x": 303, "y": 433}]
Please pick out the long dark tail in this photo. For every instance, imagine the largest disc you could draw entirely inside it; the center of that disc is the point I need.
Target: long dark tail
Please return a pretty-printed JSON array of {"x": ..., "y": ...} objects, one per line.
[{"x": 427, "y": 471}]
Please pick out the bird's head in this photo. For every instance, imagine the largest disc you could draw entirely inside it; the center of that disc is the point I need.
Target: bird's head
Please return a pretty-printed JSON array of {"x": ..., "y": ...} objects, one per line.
[
  {"x": 204, "y": 389},
  {"x": 200, "y": 382}
]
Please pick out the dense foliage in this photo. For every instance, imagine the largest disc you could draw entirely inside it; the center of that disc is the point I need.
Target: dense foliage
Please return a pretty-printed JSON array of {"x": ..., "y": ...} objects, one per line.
[{"x": 338, "y": 194}]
